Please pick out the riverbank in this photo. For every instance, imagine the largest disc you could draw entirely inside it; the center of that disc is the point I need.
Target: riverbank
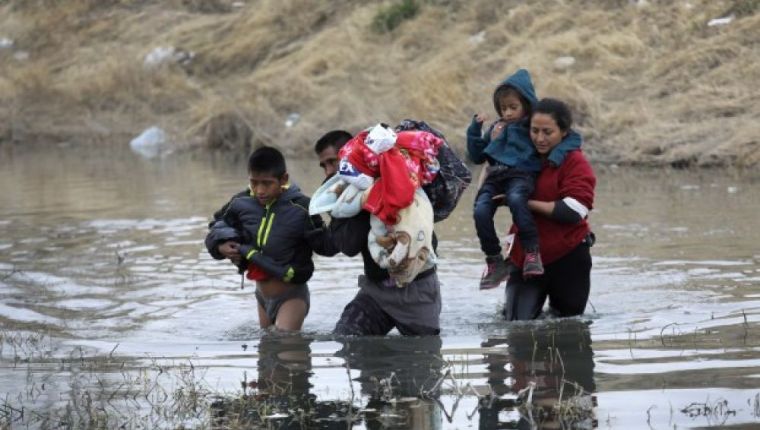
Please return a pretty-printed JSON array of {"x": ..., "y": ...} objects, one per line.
[{"x": 652, "y": 84}]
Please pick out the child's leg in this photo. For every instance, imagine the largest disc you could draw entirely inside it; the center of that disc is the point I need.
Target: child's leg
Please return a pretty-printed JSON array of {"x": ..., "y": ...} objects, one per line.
[
  {"x": 519, "y": 188},
  {"x": 483, "y": 213},
  {"x": 291, "y": 314},
  {"x": 518, "y": 191}
]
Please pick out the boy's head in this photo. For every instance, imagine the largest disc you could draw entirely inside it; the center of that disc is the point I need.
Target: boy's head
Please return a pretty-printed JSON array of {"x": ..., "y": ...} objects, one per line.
[
  {"x": 327, "y": 148},
  {"x": 510, "y": 104},
  {"x": 267, "y": 174}
]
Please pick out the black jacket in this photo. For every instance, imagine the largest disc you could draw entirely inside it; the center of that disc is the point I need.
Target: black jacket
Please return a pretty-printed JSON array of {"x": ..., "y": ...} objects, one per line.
[{"x": 279, "y": 237}]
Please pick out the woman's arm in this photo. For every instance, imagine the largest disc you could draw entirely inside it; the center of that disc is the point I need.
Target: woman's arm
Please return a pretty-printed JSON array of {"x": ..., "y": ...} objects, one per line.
[
  {"x": 541, "y": 207},
  {"x": 565, "y": 211},
  {"x": 577, "y": 188}
]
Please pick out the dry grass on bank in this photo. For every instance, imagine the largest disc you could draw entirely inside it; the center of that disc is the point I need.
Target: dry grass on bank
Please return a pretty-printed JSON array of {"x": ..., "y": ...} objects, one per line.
[{"x": 651, "y": 83}]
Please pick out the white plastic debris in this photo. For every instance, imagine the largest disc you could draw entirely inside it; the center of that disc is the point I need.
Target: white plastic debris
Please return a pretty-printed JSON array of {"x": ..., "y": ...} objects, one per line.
[
  {"x": 477, "y": 39},
  {"x": 732, "y": 190},
  {"x": 238, "y": 4},
  {"x": 21, "y": 55},
  {"x": 292, "y": 119},
  {"x": 6, "y": 43},
  {"x": 151, "y": 143},
  {"x": 564, "y": 62},
  {"x": 720, "y": 21},
  {"x": 380, "y": 139},
  {"x": 167, "y": 54}
]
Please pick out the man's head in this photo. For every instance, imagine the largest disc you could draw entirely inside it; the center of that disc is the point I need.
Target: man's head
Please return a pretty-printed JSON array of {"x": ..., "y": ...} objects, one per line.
[
  {"x": 327, "y": 148},
  {"x": 267, "y": 174}
]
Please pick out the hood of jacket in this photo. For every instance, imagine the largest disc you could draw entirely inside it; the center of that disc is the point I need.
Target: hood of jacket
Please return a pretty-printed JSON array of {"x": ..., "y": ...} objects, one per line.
[{"x": 520, "y": 81}]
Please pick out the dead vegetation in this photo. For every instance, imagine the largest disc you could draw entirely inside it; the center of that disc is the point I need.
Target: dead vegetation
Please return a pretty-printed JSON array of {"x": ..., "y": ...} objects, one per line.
[{"x": 650, "y": 82}]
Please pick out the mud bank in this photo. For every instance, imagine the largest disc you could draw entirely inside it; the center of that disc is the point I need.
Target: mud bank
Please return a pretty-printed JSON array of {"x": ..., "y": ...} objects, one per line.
[{"x": 651, "y": 83}]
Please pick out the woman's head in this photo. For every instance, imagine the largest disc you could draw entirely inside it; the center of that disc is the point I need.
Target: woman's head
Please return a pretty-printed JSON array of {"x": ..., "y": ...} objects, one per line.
[{"x": 549, "y": 124}]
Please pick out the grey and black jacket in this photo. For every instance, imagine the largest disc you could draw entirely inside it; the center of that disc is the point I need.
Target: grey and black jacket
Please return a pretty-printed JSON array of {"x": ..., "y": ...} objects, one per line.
[{"x": 279, "y": 237}]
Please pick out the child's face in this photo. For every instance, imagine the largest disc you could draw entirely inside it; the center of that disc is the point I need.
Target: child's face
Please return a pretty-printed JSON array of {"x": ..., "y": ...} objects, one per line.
[
  {"x": 266, "y": 187},
  {"x": 511, "y": 107}
]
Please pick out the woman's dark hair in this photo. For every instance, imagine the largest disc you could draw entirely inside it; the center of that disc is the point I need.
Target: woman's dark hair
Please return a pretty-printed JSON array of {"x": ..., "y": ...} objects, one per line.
[
  {"x": 267, "y": 160},
  {"x": 558, "y": 110},
  {"x": 505, "y": 90}
]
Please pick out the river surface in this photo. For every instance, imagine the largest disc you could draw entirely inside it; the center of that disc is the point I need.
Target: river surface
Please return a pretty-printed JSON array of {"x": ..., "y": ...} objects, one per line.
[{"x": 101, "y": 255}]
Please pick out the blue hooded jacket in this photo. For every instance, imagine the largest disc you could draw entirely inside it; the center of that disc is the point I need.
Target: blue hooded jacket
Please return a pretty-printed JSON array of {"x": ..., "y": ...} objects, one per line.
[{"x": 513, "y": 146}]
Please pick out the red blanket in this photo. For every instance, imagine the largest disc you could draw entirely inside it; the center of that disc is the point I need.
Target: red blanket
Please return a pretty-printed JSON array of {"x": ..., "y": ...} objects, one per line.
[{"x": 400, "y": 170}]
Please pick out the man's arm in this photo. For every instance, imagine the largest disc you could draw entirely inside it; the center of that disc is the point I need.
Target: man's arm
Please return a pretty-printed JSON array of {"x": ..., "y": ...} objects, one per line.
[
  {"x": 318, "y": 237},
  {"x": 349, "y": 235}
]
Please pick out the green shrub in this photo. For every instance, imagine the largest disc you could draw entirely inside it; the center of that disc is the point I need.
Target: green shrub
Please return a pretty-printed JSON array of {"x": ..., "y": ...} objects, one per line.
[{"x": 390, "y": 17}]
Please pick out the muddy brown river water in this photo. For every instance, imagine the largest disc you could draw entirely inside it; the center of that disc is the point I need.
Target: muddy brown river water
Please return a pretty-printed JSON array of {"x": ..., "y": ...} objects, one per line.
[{"x": 107, "y": 294}]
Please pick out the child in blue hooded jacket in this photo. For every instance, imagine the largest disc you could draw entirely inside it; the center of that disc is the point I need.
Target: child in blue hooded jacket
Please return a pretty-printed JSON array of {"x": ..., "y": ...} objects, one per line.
[{"x": 513, "y": 164}]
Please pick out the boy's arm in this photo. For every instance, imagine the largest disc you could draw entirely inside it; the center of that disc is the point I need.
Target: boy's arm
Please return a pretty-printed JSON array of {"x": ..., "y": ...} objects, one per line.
[
  {"x": 477, "y": 141},
  {"x": 220, "y": 231}
]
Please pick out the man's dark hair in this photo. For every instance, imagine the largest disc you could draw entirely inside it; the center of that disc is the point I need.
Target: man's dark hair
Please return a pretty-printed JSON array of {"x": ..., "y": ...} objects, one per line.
[
  {"x": 267, "y": 160},
  {"x": 558, "y": 110},
  {"x": 334, "y": 138}
]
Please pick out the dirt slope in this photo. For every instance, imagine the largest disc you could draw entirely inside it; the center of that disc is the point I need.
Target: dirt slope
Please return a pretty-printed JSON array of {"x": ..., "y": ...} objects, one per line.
[{"x": 650, "y": 82}]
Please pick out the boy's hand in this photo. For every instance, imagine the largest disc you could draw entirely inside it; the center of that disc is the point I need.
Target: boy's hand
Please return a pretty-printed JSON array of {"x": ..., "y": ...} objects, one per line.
[
  {"x": 481, "y": 118},
  {"x": 231, "y": 250}
]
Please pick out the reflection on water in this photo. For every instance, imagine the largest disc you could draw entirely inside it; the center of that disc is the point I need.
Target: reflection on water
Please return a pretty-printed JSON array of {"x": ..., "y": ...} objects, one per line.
[
  {"x": 552, "y": 368},
  {"x": 103, "y": 251}
]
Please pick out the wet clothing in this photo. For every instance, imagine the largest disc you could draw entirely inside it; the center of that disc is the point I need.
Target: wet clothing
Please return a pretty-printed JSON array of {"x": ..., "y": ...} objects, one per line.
[
  {"x": 380, "y": 305},
  {"x": 566, "y": 282},
  {"x": 272, "y": 305},
  {"x": 569, "y": 184},
  {"x": 517, "y": 186},
  {"x": 564, "y": 238},
  {"x": 278, "y": 237}
]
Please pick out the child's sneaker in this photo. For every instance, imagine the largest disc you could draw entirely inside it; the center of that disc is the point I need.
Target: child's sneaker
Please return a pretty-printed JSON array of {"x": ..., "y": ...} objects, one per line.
[
  {"x": 497, "y": 271},
  {"x": 532, "y": 265}
]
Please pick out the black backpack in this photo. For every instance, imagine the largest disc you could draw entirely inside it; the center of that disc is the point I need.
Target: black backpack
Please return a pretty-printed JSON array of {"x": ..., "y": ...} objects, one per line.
[{"x": 452, "y": 178}]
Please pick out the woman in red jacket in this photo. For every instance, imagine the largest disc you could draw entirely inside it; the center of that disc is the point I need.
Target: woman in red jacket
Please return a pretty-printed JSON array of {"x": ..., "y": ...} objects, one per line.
[{"x": 562, "y": 199}]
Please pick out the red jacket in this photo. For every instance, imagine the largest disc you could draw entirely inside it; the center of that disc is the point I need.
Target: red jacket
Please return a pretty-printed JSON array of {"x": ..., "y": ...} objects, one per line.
[{"x": 573, "y": 178}]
